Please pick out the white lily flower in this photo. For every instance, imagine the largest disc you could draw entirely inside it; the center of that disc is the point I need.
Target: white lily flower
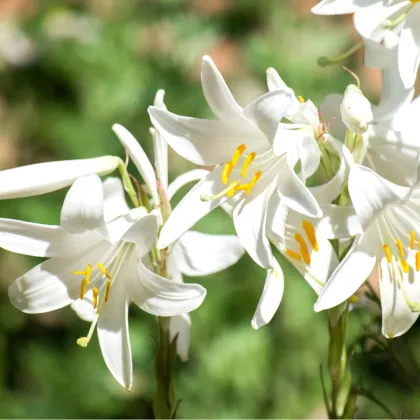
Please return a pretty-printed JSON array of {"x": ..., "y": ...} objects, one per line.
[
  {"x": 42, "y": 178},
  {"x": 194, "y": 253},
  {"x": 392, "y": 23},
  {"x": 248, "y": 180},
  {"x": 388, "y": 214},
  {"x": 98, "y": 263}
]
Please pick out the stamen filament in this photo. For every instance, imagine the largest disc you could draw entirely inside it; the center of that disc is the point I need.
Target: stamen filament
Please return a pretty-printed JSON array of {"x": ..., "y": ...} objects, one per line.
[
  {"x": 303, "y": 248},
  {"x": 293, "y": 254},
  {"x": 247, "y": 162},
  {"x": 310, "y": 233},
  {"x": 387, "y": 253}
]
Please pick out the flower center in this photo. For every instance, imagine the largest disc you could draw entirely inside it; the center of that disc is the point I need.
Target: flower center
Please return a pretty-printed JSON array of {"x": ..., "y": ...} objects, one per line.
[
  {"x": 303, "y": 253},
  {"x": 237, "y": 185}
]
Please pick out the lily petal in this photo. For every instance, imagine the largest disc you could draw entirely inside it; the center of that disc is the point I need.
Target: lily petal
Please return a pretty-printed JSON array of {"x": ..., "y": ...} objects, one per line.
[
  {"x": 114, "y": 336},
  {"x": 348, "y": 276},
  {"x": 114, "y": 199},
  {"x": 270, "y": 298},
  {"x": 217, "y": 94},
  {"x": 83, "y": 207},
  {"x": 162, "y": 297},
  {"x": 206, "y": 142},
  {"x": 180, "y": 327},
  {"x": 139, "y": 158},
  {"x": 336, "y": 7},
  {"x": 42, "y": 178},
  {"x": 200, "y": 254},
  {"x": 184, "y": 179}
]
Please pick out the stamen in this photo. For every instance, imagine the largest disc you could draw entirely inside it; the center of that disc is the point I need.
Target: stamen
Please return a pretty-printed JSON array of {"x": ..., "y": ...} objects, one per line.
[
  {"x": 404, "y": 266},
  {"x": 234, "y": 188},
  {"x": 400, "y": 248},
  {"x": 84, "y": 341},
  {"x": 108, "y": 288},
  {"x": 95, "y": 297},
  {"x": 85, "y": 273},
  {"x": 226, "y": 172},
  {"x": 387, "y": 253},
  {"x": 232, "y": 185},
  {"x": 254, "y": 180},
  {"x": 237, "y": 154},
  {"x": 247, "y": 162},
  {"x": 293, "y": 254},
  {"x": 103, "y": 269},
  {"x": 83, "y": 288},
  {"x": 303, "y": 248},
  {"x": 413, "y": 239},
  {"x": 310, "y": 233},
  {"x": 417, "y": 261},
  {"x": 301, "y": 99}
]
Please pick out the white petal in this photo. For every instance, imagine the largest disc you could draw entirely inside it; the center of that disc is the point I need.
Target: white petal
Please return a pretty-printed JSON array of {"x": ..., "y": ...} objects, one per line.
[
  {"x": 52, "y": 285},
  {"x": 217, "y": 94},
  {"x": 348, "y": 276},
  {"x": 295, "y": 194},
  {"x": 267, "y": 111},
  {"x": 200, "y": 254},
  {"x": 336, "y": 7},
  {"x": 191, "y": 208},
  {"x": 371, "y": 194},
  {"x": 274, "y": 81},
  {"x": 184, "y": 179},
  {"x": 159, "y": 99},
  {"x": 42, "y": 178},
  {"x": 114, "y": 337},
  {"x": 84, "y": 307},
  {"x": 114, "y": 199},
  {"x": 180, "y": 327},
  {"x": 309, "y": 155},
  {"x": 119, "y": 226},
  {"x": 41, "y": 240},
  {"x": 330, "y": 113},
  {"x": 162, "y": 297},
  {"x": 83, "y": 208},
  {"x": 143, "y": 233},
  {"x": 206, "y": 142},
  {"x": 397, "y": 318},
  {"x": 139, "y": 158},
  {"x": 160, "y": 149},
  {"x": 409, "y": 49},
  {"x": 270, "y": 298}
]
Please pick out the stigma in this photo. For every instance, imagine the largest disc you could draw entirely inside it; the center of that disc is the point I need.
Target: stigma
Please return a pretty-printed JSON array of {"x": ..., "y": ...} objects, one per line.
[{"x": 236, "y": 185}]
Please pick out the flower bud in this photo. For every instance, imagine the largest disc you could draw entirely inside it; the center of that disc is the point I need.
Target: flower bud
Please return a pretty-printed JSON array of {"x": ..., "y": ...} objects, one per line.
[{"x": 356, "y": 110}]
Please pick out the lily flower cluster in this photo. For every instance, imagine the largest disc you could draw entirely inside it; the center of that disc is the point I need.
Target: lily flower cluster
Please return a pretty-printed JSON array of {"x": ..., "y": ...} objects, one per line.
[{"x": 334, "y": 189}]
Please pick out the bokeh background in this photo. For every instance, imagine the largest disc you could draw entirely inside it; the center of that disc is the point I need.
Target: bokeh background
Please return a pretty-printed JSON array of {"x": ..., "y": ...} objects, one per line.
[{"x": 68, "y": 71}]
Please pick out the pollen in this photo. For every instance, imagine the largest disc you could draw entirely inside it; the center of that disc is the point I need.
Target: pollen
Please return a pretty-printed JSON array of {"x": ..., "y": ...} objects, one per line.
[
  {"x": 303, "y": 248},
  {"x": 254, "y": 180},
  {"x": 233, "y": 187},
  {"x": 237, "y": 154},
  {"x": 108, "y": 289},
  {"x": 247, "y": 162},
  {"x": 417, "y": 261},
  {"x": 404, "y": 266},
  {"x": 227, "y": 170},
  {"x": 400, "y": 248},
  {"x": 293, "y": 254},
  {"x": 95, "y": 297},
  {"x": 104, "y": 271},
  {"x": 310, "y": 233},
  {"x": 86, "y": 273},
  {"x": 301, "y": 99},
  {"x": 83, "y": 288},
  {"x": 387, "y": 252},
  {"x": 412, "y": 239}
]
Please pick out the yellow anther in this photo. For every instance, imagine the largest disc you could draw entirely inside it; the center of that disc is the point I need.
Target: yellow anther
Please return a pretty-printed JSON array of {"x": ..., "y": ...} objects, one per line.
[
  {"x": 83, "y": 288},
  {"x": 387, "y": 253},
  {"x": 293, "y": 254},
  {"x": 237, "y": 154},
  {"x": 226, "y": 172},
  {"x": 95, "y": 297},
  {"x": 301, "y": 99},
  {"x": 85, "y": 273},
  {"x": 310, "y": 233},
  {"x": 400, "y": 248},
  {"x": 103, "y": 269},
  {"x": 417, "y": 261},
  {"x": 303, "y": 248},
  {"x": 404, "y": 266},
  {"x": 354, "y": 299},
  {"x": 254, "y": 180},
  {"x": 233, "y": 186},
  {"x": 247, "y": 162},
  {"x": 413, "y": 239},
  {"x": 108, "y": 288}
]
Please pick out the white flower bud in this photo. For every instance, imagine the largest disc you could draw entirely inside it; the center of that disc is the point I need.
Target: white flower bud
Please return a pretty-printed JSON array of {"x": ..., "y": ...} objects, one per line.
[{"x": 356, "y": 110}]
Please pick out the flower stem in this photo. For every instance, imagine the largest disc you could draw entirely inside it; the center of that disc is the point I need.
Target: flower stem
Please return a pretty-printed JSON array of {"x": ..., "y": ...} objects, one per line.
[{"x": 165, "y": 404}]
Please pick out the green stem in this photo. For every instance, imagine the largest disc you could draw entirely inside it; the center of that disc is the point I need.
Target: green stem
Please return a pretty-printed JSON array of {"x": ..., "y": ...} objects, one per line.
[
  {"x": 326, "y": 61},
  {"x": 371, "y": 397},
  {"x": 128, "y": 185}
]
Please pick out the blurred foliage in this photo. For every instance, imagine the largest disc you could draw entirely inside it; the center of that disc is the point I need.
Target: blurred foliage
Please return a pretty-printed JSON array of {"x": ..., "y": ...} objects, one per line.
[{"x": 68, "y": 71}]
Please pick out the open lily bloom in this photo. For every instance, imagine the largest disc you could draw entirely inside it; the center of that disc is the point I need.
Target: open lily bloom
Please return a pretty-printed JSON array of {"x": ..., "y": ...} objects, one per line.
[
  {"x": 385, "y": 22},
  {"x": 194, "y": 253},
  {"x": 389, "y": 216},
  {"x": 98, "y": 258},
  {"x": 254, "y": 172},
  {"x": 392, "y": 146}
]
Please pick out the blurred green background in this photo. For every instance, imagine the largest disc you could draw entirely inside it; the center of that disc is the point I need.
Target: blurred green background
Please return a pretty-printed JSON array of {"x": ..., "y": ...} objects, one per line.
[{"x": 68, "y": 71}]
